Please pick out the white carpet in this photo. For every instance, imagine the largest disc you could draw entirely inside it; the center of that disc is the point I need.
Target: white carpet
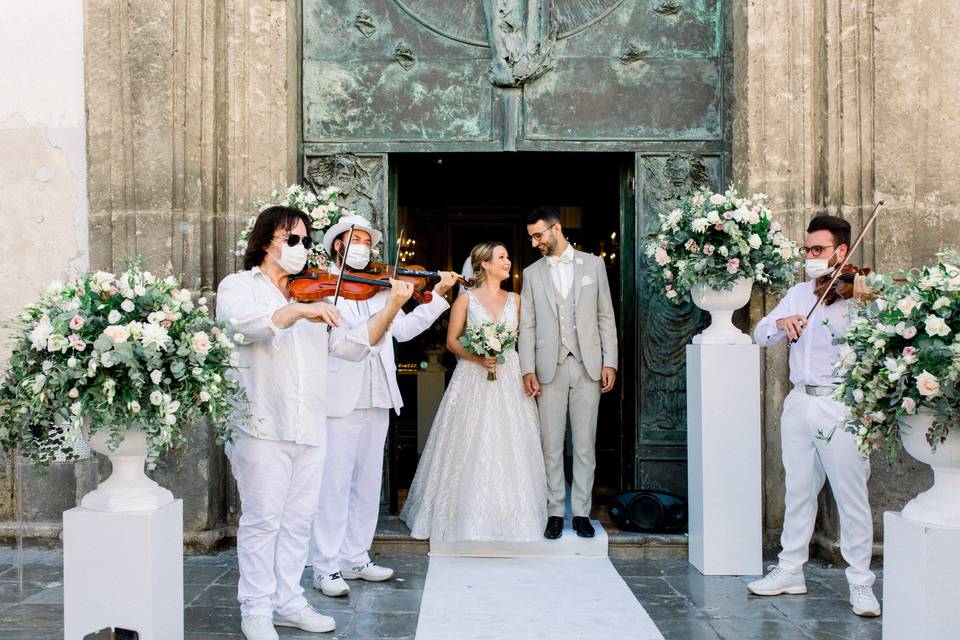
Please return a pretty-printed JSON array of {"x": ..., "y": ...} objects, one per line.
[
  {"x": 529, "y": 599},
  {"x": 569, "y": 545}
]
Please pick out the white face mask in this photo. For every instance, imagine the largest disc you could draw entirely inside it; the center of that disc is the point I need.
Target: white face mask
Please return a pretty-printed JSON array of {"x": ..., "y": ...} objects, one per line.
[
  {"x": 358, "y": 257},
  {"x": 817, "y": 267},
  {"x": 292, "y": 259}
]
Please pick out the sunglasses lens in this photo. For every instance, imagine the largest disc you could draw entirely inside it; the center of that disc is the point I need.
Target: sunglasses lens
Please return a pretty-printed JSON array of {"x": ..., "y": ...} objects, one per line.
[{"x": 307, "y": 242}]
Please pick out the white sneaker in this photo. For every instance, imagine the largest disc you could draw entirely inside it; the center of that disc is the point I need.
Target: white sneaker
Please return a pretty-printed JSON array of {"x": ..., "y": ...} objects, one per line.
[
  {"x": 369, "y": 572},
  {"x": 306, "y": 619},
  {"x": 258, "y": 628},
  {"x": 863, "y": 601},
  {"x": 779, "y": 581},
  {"x": 332, "y": 585}
]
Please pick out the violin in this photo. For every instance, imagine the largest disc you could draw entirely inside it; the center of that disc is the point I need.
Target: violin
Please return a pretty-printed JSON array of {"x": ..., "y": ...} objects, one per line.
[
  {"x": 841, "y": 287},
  {"x": 311, "y": 285}
]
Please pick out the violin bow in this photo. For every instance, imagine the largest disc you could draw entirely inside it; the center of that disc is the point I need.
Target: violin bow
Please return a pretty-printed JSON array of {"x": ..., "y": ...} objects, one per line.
[
  {"x": 839, "y": 268},
  {"x": 396, "y": 258},
  {"x": 343, "y": 266}
]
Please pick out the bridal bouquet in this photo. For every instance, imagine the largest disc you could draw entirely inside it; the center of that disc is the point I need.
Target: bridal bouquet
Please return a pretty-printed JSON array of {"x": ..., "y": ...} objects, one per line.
[
  {"x": 488, "y": 340},
  {"x": 901, "y": 355},
  {"x": 322, "y": 209},
  {"x": 116, "y": 351},
  {"x": 717, "y": 239}
]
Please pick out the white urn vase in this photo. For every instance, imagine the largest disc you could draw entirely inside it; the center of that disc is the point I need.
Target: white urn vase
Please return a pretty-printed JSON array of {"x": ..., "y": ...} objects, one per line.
[
  {"x": 940, "y": 504},
  {"x": 721, "y": 304},
  {"x": 128, "y": 488}
]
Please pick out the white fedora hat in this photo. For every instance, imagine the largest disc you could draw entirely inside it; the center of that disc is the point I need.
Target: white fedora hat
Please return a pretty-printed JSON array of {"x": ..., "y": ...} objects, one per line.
[{"x": 343, "y": 224}]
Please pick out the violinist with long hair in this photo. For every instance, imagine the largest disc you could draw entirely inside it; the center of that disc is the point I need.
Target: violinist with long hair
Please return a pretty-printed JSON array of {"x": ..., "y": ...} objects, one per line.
[
  {"x": 360, "y": 395},
  {"x": 278, "y": 457},
  {"x": 815, "y": 446}
]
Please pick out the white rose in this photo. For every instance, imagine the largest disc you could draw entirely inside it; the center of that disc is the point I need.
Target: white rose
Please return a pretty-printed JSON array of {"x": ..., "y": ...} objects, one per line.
[
  {"x": 156, "y": 317},
  {"x": 156, "y": 376},
  {"x": 905, "y": 330},
  {"x": 713, "y": 217},
  {"x": 117, "y": 332},
  {"x": 114, "y": 316},
  {"x": 907, "y": 305},
  {"x": 909, "y": 405},
  {"x": 723, "y": 251},
  {"x": 170, "y": 419},
  {"x": 73, "y": 393},
  {"x": 717, "y": 199},
  {"x": 156, "y": 398},
  {"x": 127, "y": 305},
  {"x": 858, "y": 395},
  {"x": 927, "y": 384},
  {"x": 935, "y": 326},
  {"x": 754, "y": 241},
  {"x": 204, "y": 396},
  {"x": 71, "y": 362},
  {"x": 135, "y": 406},
  {"x": 941, "y": 302},
  {"x": 173, "y": 406}
]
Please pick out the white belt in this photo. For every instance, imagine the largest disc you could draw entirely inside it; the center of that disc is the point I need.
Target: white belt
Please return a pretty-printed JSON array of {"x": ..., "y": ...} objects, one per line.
[{"x": 814, "y": 390}]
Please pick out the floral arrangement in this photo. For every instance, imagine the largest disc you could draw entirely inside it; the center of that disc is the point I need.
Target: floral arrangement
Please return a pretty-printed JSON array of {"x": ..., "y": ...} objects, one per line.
[
  {"x": 901, "y": 355},
  {"x": 322, "y": 209},
  {"x": 114, "y": 351},
  {"x": 488, "y": 340},
  {"x": 718, "y": 238}
]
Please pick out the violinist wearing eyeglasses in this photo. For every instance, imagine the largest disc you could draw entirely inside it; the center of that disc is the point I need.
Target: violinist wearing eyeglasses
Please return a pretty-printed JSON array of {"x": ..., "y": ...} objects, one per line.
[
  {"x": 360, "y": 395},
  {"x": 278, "y": 458},
  {"x": 815, "y": 447}
]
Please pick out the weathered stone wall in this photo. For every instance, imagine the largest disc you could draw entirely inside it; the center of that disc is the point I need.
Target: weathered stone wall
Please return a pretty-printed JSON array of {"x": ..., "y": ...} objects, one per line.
[
  {"x": 840, "y": 103},
  {"x": 191, "y": 112},
  {"x": 43, "y": 196}
]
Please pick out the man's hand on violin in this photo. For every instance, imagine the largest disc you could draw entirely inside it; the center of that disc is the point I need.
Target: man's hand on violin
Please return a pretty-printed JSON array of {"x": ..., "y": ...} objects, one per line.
[
  {"x": 321, "y": 312},
  {"x": 400, "y": 292},
  {"x": 793, "y": 326},
  {"x": 861, "y": 291},
  {"x": 447, "y": 280}
]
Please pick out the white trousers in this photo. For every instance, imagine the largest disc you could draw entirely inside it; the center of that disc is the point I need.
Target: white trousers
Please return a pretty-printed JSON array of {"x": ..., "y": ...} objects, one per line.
[
  {"x": 809, "y": 459},
  {"x": 346, "y": 520},
  {"x": 571, "y": 391},
  {"x": 279, "y": 487}
]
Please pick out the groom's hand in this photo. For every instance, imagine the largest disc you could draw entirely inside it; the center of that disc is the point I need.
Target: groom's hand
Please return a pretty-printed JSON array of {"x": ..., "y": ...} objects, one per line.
[
  {"x": 608, "y": 378},
  {"x": 531, "y": 386}
]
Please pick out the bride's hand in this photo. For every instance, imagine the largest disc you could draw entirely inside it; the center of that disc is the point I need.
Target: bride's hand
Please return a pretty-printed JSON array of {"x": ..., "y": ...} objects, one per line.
[{"x": 490, "y": 364}]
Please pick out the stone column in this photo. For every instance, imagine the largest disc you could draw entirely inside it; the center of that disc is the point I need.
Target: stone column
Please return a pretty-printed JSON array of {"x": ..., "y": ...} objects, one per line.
[{"x": 839, "y": 103}]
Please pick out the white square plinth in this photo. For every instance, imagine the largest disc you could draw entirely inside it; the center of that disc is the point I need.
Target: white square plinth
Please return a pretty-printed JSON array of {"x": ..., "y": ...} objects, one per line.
[
  {"x": 723, "y": 459},
  {"x": 921, "y": 566},
  {"x": 123, "y": 570}
]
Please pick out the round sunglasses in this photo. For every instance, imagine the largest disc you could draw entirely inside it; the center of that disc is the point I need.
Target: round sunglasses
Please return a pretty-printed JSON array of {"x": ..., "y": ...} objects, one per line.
[{"x": 293, "y": 240}]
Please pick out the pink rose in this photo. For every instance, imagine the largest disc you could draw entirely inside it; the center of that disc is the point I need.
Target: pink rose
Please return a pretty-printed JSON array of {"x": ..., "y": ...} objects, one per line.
[
  {"x": 76, "y": 323},
  {"x": 733, "y": 264},
  {"x": 909, "y": 405},
  {"x": 718, "y": 226},
  {"x": 708, "y": 249}
]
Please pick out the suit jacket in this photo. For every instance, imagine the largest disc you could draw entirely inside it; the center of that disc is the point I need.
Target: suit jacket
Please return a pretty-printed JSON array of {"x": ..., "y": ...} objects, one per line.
[
  {"x": 344, "y": 377},
  {"x": 539, "y": 326}
]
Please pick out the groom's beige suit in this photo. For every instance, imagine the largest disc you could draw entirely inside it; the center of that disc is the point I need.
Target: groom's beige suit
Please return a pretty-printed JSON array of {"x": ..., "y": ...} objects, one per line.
[{"x": 568, "y": 334}]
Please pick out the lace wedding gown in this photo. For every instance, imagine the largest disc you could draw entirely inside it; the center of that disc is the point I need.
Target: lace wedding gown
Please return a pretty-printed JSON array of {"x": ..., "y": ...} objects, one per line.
[{"x": 481, "y": 476}]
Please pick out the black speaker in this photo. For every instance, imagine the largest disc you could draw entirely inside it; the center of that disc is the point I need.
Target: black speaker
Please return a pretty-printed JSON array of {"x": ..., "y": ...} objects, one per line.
[{"x": 649, "y": 511}]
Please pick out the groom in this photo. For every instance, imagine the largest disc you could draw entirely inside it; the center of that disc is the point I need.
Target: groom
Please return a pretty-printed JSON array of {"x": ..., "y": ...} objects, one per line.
[{"x": 568, "y": 356}]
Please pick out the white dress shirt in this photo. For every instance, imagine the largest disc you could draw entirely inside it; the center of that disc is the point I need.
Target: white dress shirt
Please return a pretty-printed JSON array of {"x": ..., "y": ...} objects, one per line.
[
  {"x": 561, "y": 269},
  {"x": 284, "y": 371},
  {"x": 812, "y": 357},
  {"x": 374, "y": 389}
]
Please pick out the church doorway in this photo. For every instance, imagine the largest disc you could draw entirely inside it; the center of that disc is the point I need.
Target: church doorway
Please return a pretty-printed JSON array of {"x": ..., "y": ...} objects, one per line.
[{"x": 447, "y": 203}]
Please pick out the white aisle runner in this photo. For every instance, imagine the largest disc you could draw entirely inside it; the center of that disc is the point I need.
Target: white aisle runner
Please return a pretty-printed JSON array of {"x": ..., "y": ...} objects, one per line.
[{"x": 532, "y": 597}]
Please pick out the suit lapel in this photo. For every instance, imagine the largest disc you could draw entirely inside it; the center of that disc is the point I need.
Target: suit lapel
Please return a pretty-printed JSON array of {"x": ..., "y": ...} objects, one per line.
[
  {"x": 548, "y": 284},
  {"x": 577, "y": 276}
]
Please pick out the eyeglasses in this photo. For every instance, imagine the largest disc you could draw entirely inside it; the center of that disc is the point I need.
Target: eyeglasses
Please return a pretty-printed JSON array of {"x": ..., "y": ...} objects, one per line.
[
  {"x": 815, "y": 250},
  {"x": 539, "y": 234},
  {"x": 293, "y": 240}
]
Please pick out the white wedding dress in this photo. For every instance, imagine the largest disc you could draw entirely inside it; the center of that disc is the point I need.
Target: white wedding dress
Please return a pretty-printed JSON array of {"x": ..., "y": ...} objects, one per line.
[{"x": 481, "y": 476}]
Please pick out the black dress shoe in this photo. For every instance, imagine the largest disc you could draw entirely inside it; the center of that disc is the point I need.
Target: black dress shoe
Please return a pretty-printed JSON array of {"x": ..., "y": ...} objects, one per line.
[
  {"x": 583, "y": 527},
  {"x": 554, "y": 528}
]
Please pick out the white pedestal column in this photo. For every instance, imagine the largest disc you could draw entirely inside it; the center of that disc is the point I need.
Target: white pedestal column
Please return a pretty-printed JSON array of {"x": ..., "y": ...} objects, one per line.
[
  {"x": 723, "y": 459},
  {"x": 921, "y": 563},
  {"x": 124, "y": 569}
]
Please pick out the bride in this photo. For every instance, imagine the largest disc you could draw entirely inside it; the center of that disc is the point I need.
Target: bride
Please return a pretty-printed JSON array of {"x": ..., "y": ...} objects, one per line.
[{"x": 481, "y": 476}]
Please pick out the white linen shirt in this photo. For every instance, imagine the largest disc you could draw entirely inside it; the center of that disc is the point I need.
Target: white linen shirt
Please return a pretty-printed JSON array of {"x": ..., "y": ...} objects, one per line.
[
  {"x": 812, "y": 357},
  {"x": 562, "y": 272},
  {"x": 284, "y": 371}
]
